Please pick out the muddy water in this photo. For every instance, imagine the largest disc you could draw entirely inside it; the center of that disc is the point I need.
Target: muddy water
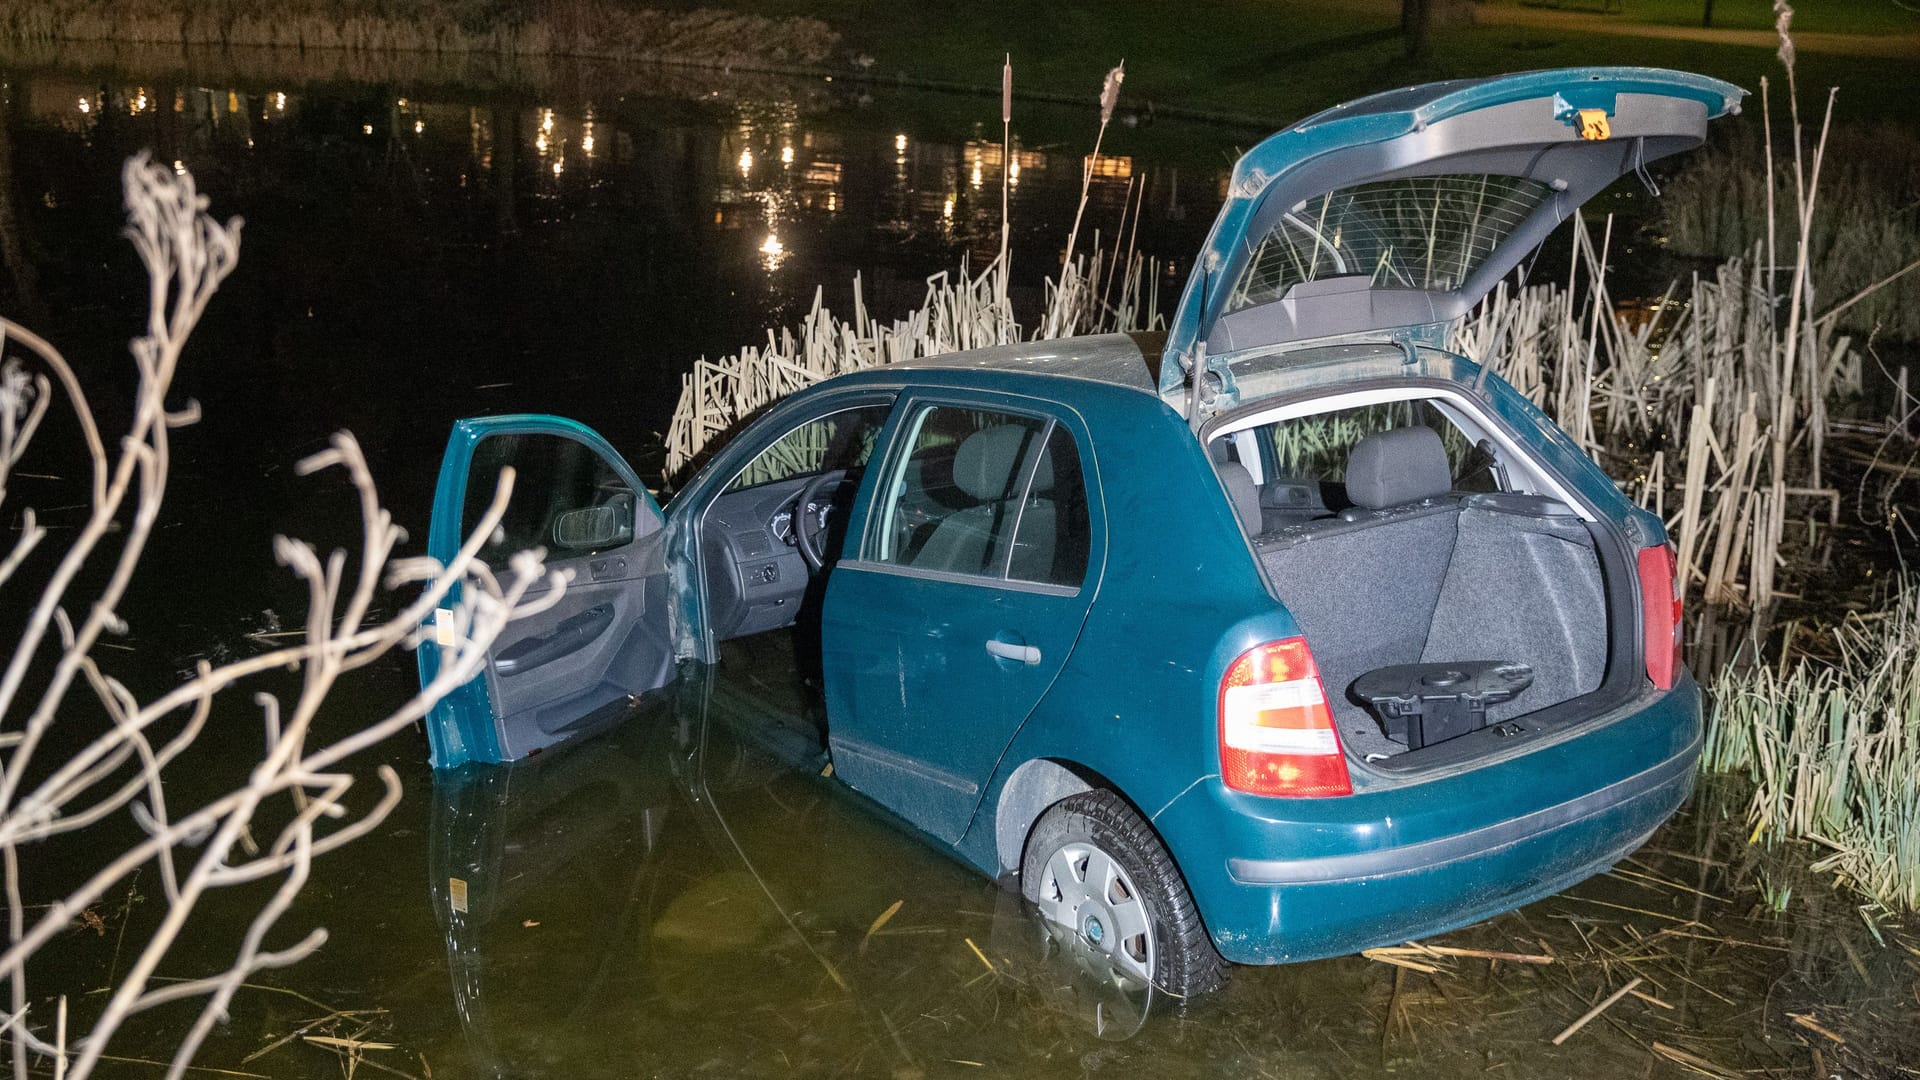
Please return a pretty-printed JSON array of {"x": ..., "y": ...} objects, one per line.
[{"x": 690, "y": 896}]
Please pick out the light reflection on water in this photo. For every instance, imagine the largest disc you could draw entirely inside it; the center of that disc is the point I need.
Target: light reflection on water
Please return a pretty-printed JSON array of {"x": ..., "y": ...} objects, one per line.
[
  {"x": 787, "y": 163},
  {"x": 416, "y": 251}
]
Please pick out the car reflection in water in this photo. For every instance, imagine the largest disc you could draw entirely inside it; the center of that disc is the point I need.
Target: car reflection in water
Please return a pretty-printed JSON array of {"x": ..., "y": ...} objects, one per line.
[{"x": 691, "y": 890}]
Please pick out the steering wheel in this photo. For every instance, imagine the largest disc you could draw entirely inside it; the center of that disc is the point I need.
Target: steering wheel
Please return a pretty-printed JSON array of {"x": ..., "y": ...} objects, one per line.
[{"x": 810, "y": 528}]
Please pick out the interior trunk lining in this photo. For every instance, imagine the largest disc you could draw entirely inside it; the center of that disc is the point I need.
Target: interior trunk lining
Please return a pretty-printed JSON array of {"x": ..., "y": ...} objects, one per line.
[{"x": 1490, "y": 578}]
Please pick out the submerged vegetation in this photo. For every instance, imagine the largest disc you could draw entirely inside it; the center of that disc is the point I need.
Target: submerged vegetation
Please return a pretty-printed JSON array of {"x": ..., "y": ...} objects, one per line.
[{"x": 1833, "y": 747}]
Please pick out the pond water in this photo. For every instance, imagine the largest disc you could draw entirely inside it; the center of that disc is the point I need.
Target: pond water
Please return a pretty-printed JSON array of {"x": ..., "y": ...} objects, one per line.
[{"x": 690, "y": 896}]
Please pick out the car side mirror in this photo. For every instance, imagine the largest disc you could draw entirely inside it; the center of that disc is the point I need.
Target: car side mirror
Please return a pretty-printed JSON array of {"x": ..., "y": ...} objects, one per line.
[{"x": 591, "y": 528}]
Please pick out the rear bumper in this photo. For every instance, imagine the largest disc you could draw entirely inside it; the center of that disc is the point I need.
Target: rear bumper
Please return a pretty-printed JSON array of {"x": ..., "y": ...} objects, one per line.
[{"x": 1495, "y": 838}]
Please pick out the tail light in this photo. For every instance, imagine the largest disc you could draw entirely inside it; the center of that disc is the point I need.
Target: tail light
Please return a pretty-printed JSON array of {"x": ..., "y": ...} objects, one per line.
[
  {"x": 1276, "y": 732},
  {"x": 1660, "y": 623}
]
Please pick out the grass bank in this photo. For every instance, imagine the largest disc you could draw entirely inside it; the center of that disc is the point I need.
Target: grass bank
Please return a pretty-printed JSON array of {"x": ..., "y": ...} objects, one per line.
[{"x": 1276, "y": 60}]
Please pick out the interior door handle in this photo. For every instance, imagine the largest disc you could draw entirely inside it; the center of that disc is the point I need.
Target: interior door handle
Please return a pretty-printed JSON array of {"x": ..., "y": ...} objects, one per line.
[
  {"x": 1026, "y": 654},
  {"x": 570, "y": 636}
]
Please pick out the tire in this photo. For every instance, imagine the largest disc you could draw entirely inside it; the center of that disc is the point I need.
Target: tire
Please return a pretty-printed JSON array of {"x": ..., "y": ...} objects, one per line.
[{"x": 1145, "y": 919}]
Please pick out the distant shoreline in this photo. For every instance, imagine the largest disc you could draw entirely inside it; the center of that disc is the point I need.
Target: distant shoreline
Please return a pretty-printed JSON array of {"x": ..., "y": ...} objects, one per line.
[{"x": 707, "y": 38}]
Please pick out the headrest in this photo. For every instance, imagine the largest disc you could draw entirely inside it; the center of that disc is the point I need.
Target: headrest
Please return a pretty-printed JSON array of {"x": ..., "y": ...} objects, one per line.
[
  {"x": 1402, "y": 465},
  {"x": 1244, "y": 493},
  {"x": 983, "y": 466}
]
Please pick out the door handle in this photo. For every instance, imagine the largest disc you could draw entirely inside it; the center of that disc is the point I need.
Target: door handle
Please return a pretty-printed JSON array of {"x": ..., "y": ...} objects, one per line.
[
  {"x": 1026, "y": 654},
  {"x": 570, "y": 636}
]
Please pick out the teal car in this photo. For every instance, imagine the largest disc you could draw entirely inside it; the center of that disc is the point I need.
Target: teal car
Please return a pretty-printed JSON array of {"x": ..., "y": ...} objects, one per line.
[{"x": 1281, "y": 635}]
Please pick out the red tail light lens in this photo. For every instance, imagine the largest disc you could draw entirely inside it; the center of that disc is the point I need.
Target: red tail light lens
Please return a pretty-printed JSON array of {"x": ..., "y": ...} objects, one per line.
[
  {"x": 1660, "y": 609},
  {"x": 1276, "y": 732}
]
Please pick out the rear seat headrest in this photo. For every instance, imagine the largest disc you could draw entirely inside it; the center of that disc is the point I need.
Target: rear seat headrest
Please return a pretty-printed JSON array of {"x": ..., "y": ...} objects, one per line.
[
  {"x": 1244, "y": 493},
  {"x": 1402, "y": 465},
  {"x": 984, "y": 463}
]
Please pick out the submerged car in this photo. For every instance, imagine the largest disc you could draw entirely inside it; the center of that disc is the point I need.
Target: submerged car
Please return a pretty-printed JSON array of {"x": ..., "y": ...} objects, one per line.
[{"x": 1282, "y": 635}]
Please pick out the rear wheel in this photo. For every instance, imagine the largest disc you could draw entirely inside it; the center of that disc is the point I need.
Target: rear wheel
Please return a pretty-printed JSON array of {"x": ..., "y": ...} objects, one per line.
[{"x": 1097, "y": 871}]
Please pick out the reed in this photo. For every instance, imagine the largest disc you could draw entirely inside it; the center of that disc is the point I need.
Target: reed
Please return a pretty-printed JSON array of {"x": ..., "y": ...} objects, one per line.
[
  {"x": 1714, "y": 402},
  {"x": 1833, "y": 748},
  {"x": 1869, "y": 226},
  {"x": 961, "y": 310}
]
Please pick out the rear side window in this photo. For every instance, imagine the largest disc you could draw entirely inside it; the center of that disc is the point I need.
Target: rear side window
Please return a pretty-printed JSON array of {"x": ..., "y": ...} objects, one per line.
[{"x": 984, "y": 493}]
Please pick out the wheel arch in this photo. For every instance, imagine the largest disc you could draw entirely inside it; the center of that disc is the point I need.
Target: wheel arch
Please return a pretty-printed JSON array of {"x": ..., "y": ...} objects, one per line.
[
  {"x": 1038, "y": 785},
  {"x": 1032, "y": 788}
]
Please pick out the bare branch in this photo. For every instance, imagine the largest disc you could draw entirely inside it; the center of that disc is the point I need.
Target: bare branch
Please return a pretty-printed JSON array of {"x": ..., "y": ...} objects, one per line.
[{"x": 187, "y": 255}]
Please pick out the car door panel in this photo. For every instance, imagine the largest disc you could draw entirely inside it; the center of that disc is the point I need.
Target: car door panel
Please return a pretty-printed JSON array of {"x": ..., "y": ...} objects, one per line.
[
  {"x": 930, "y": 669},
  {"x": 577, "y": 665}
]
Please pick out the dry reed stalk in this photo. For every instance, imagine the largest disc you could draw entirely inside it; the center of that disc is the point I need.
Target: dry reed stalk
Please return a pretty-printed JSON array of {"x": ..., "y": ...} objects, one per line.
[
  {"x": 960, "y": 311},
  {"x": 1006, "y": 171},
  {"x": 1072, "y": 280},
  {"x": 1587, "y": 1017}
]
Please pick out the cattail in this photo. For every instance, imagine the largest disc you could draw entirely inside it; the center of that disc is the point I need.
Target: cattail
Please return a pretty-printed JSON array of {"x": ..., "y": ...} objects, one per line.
[
  {"x": 1006, "y": 173},
  {"x": 1006, "y": 91},
  {"x": 1783, "y": 24},
  {"x": 1110, "y": 90}
]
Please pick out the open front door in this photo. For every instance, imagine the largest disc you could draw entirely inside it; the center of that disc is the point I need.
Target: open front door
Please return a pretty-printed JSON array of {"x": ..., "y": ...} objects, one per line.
[{"x": 577, "y": 666}]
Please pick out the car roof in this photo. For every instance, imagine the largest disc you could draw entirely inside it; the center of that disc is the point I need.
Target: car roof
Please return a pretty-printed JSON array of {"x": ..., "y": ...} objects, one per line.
[{"x": 1128, "y": 361}]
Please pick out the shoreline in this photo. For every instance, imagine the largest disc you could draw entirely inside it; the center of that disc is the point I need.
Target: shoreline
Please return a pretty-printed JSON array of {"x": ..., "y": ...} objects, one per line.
[
  {"x": 485, "y": 68},
  {"x": 702, "y": 37}
]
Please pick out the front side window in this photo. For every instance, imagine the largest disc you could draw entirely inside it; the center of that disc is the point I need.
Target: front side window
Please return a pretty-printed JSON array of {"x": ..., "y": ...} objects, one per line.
[
  {"x": 566, "y": 497},
  {"x": 1417, "y": 232},
  {"x": 989, "y": 494},
  {"x": 840, "y": 440}
]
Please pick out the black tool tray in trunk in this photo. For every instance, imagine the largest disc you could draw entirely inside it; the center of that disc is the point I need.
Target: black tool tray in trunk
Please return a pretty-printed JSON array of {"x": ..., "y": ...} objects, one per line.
[{"x": 1422, "y": 704}]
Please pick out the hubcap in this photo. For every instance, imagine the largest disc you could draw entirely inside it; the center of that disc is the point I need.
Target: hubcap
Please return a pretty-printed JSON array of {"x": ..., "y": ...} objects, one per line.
[{"x": 1084, "y": 891}]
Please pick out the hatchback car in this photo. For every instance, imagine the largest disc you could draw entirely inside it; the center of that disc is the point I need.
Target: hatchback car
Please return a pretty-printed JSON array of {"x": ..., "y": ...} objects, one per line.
[{"x": 1282, "y": 635}]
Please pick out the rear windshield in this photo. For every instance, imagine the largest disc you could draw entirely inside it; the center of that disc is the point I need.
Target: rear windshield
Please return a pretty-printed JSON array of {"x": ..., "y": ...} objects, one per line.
[{"x": 1419, "y": 232}]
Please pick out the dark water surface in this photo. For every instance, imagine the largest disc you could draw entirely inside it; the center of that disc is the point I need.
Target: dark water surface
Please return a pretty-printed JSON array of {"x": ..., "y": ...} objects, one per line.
[{"x": 690, "y": 896}]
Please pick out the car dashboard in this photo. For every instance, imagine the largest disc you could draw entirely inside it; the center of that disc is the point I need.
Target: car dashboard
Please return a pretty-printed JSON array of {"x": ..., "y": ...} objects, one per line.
[{"x": 756, "y": 577}]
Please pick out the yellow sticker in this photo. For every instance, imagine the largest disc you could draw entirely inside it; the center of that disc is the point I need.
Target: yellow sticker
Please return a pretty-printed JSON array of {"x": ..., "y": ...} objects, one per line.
[
  {"x": 1594, "y": 126},
  {"x": 457, "y": 894}
]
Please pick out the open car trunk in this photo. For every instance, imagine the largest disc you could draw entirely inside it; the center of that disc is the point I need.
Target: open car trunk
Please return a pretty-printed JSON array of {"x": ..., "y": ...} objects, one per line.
[
  {"x": 1446, "y": 578},
  {"x": 1489, "y": 577}
]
